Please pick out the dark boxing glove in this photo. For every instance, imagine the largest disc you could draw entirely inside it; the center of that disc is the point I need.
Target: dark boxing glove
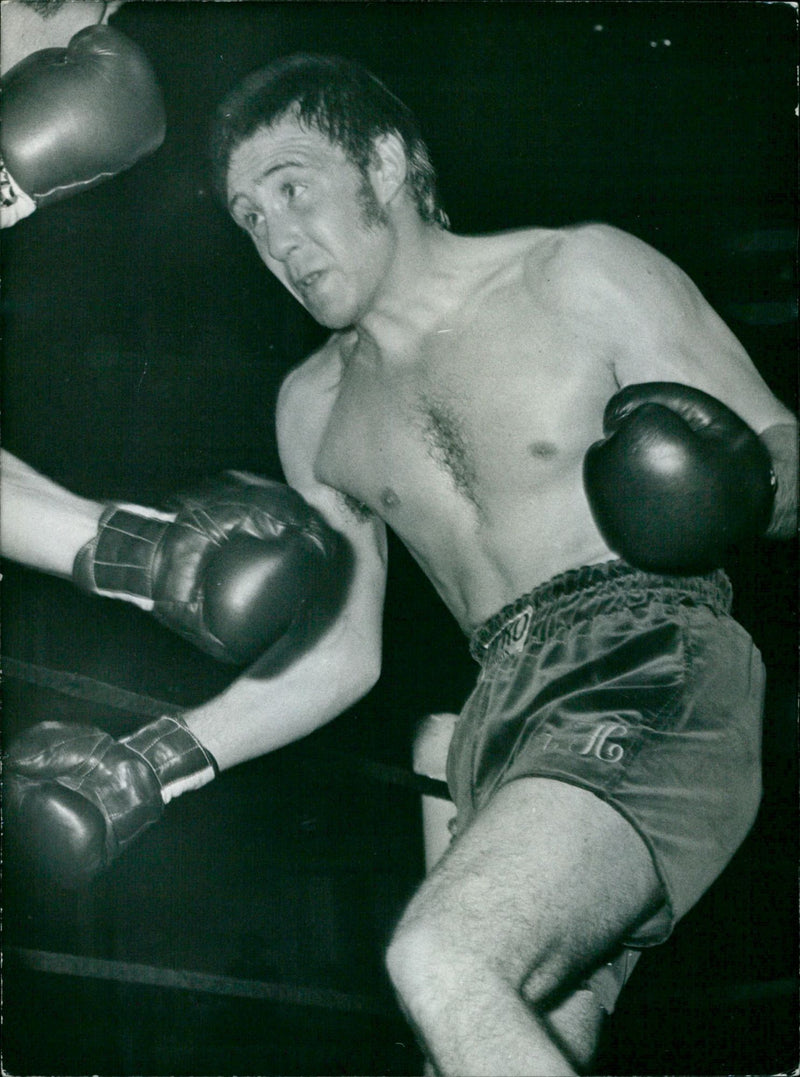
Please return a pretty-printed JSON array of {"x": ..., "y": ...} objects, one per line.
[
  {"x": 74, "y": 797},
  {"x": 75, "y": 116},
  {"x": 678, "y": 479},
  {"x": 244, "y": 560}
]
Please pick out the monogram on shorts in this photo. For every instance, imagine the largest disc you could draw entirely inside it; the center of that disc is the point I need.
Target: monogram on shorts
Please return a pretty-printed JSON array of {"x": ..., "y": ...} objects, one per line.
[{"x": 600, "y": 741}]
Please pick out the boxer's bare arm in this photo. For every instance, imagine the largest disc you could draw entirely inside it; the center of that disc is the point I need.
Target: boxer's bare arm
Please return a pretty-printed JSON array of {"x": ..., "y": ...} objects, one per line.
[
  {"x": 73, "y": 833},
  {"x": 264, "y": 709},
  {"x": 660, "y": 328},
  {"x": 42, "y": 524}
]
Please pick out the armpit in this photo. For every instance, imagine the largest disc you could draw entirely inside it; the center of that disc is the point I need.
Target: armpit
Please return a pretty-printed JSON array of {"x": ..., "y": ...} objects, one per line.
[{"x": 356, "y": 508}]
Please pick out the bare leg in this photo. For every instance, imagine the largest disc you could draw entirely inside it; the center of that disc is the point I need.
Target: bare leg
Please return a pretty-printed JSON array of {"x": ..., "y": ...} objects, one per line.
[
  {"x": 575, "y": 1024},
  {"x": 542, "y": 885}
]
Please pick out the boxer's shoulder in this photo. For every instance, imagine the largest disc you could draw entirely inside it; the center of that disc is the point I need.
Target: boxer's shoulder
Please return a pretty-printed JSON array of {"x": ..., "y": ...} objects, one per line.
[
  {"x": 317, "y": 375},
  {"x": 570, "y": 254},
  {"x": 309, "y": 390},
  {"x": 601, "y": 274},
  {"x": 610, "y": 258},
  {"x": 564, "y": 258}
]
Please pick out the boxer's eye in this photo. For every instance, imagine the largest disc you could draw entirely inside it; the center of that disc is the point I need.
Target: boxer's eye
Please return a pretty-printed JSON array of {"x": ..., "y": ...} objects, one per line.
[
  {"x": 250, "y": 220},
  {"x": 291, "y": 190}
]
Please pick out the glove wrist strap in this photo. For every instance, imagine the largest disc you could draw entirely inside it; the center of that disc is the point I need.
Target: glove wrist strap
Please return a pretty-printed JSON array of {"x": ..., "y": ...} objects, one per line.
[
  {"x": 178, "y": 760},
  {"x": 120, "y": 561}
]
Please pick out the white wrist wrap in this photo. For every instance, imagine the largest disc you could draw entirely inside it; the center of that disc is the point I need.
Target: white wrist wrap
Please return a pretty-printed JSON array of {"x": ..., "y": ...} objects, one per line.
[{"x": 178, "y": 760}]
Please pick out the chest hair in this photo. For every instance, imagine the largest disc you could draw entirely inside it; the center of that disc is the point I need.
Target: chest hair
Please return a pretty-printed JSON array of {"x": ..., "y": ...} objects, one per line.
[{"x": 446, "y": 442}]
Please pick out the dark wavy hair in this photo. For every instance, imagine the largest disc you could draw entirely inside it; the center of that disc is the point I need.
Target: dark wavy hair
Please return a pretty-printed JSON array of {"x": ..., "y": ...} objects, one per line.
[{"x": 340, "y": 99}]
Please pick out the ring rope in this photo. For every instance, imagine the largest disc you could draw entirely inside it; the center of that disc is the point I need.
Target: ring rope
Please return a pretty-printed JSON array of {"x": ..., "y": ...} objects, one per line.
[
  {"x": 96, "y": 968},
  {"x": 108, "y": 695},
  {"x": 47, "y": 961},
  {"x": 87, "y": 688},
  {"x": 92, "y": 690}
]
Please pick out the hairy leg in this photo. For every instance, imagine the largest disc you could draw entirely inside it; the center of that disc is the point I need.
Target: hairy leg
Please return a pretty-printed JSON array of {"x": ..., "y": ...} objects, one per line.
[
  {"x": 538, "y": 890},
  {"x": 574, "y": 1024}
]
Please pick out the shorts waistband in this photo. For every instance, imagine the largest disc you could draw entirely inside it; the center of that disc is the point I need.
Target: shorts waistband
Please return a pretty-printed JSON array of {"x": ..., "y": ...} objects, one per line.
[{"x": 582, "y": 593}]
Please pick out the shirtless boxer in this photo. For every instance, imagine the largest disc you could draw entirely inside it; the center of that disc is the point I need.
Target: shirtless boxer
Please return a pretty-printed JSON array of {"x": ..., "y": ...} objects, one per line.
[{"x": 606, "y": 766}]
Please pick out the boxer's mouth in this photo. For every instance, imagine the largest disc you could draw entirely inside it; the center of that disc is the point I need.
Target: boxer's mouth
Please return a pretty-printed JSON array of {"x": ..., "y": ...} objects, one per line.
[{"x": 309, "y": 280}]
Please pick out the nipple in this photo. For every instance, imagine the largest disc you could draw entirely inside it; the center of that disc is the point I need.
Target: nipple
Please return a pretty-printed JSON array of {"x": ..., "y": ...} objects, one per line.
[
  {"x": 389, "y": 498},
  {"x": 544, "y": 450}
]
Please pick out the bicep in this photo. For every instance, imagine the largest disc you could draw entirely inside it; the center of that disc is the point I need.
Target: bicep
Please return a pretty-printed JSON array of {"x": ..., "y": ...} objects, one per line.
[
  {"x": 301, "y": 418},
  {"x": 665, "y": 330}
]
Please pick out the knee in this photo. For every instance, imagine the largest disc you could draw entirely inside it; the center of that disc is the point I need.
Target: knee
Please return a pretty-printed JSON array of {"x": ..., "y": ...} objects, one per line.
[
  {"x": 423, "y": 965},
  {"x": 433, "y": 959},
  {"x": 408, "y": 960}
]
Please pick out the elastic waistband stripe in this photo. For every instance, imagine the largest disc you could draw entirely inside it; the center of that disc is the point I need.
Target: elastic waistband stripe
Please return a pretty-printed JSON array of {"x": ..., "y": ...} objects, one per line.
[{"x": 574, "y": 595}]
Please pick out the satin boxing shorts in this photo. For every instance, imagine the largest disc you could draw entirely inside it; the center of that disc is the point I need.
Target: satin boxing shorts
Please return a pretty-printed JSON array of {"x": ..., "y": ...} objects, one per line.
[{"x": 639, "y": 688}]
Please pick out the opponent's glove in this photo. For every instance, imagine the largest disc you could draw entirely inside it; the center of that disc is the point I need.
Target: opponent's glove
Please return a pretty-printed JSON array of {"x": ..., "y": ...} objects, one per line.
[
  {"x": 74, "y": 116},
  {"x": 74, "y": 797},
  {"x": 678, "y": 480},
  {"x": 244, "y": 560}
]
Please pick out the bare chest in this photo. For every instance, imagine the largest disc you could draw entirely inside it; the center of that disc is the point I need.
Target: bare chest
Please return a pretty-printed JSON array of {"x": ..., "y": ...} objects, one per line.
[{"x": 473, "y": 416}]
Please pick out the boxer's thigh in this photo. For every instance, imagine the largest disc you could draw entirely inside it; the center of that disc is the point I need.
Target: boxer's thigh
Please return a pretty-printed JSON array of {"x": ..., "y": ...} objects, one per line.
[{"x": 543, "y": 885}]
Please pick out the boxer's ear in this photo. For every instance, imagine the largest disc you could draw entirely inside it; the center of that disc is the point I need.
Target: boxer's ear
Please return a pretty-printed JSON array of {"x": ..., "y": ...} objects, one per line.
[{"x": 388, "y": 167}]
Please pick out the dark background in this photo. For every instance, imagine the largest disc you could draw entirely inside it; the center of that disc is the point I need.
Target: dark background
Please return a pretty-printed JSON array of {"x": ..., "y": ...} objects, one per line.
[{"x": 143, "y": 345}]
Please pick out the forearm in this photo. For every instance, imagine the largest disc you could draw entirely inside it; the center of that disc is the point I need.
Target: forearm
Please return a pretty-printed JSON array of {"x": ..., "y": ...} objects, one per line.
[
  {"x": 263, "y": 711},
  {"x": 42, "y": 525},
  {"x": 781, "y": 441}
]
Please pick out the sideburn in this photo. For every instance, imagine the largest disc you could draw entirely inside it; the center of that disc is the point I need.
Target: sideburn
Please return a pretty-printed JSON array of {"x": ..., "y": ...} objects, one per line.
[{"x": 373, "y": 215}]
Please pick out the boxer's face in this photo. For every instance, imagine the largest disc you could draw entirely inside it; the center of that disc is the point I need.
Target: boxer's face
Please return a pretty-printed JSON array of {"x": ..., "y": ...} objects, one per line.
[{"x": 314, "y": 219}]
